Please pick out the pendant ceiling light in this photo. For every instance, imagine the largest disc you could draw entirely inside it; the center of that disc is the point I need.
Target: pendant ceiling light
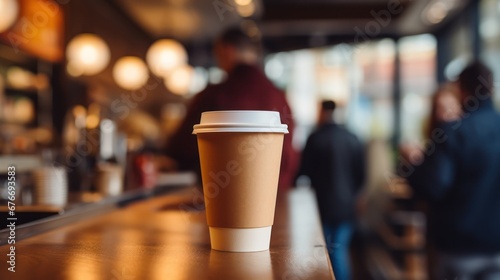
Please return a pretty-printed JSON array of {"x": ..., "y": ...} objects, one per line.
[
  {"x": 87, "y": 54},
  {"x": 130, "y": 72},
  {"x": 9, "y": 12},
  {"x": 179, "y": 81},
  {"x": 164, "y": 56}
]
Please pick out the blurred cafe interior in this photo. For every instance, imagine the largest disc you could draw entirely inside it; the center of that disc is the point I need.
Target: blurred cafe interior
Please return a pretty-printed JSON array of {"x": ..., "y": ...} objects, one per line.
[{"x": 92, "y": 91}]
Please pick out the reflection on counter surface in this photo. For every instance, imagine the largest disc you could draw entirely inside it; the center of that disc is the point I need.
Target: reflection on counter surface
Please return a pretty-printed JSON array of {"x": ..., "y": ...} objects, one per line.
[{"x": 255, "y": 265}]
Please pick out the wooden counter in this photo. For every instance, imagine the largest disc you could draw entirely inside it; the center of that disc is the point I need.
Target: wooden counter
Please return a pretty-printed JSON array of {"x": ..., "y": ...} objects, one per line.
[{"x": 166, "y": 237}]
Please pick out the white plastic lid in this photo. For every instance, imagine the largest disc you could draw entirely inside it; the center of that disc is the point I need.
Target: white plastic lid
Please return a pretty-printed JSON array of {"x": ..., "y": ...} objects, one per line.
[
  {"x": 240, "y": 121},
  {"x": 240, "y": 239}
]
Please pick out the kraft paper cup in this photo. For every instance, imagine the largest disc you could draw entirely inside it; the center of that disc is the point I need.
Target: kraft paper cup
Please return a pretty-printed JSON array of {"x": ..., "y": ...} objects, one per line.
[{"x": 240, "y": 157}]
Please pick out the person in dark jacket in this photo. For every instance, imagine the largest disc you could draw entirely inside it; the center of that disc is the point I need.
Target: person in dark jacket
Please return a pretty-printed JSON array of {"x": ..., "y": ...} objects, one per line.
[
  {"x": 333, "y": 159},
  {"x": 246, "y": 88},
  {"x": 460, "y": 178}
]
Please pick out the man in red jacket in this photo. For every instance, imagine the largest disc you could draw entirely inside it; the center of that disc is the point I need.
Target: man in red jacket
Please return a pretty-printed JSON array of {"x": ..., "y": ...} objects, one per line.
[{"x": 246, "y": 88}]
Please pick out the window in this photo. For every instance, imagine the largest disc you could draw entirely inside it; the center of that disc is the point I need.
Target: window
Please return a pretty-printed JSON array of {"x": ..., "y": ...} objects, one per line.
[
  {"x": 490, "y": 35},
  {"x": 418, "y": 83},
  {"x": 359, "y": 78}
]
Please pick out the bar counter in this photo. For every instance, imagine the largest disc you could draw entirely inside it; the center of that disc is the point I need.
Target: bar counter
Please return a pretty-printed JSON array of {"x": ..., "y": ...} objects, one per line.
[{"x": 166, "y": 237}]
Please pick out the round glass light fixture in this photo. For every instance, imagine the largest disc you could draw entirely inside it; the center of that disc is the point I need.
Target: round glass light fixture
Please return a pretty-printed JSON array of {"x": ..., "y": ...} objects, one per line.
[
  {"x": 164, "y": 56},
  {"x": 179, "y": 81},
  {"x": 10, "y": 10},
  {"x": 130, "y": 72},
  {"x": 242, "y": 2},
  {"x": 246, "y": 10},
  {"x": 87, "y": 54}
]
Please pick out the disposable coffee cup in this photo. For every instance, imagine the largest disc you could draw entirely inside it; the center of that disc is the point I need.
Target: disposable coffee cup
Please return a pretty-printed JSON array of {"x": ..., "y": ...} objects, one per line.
[
  {"x": 50, "y": 186},
  {"x": 109, "y": 179},
  {"x": 240, "y": 157}
]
